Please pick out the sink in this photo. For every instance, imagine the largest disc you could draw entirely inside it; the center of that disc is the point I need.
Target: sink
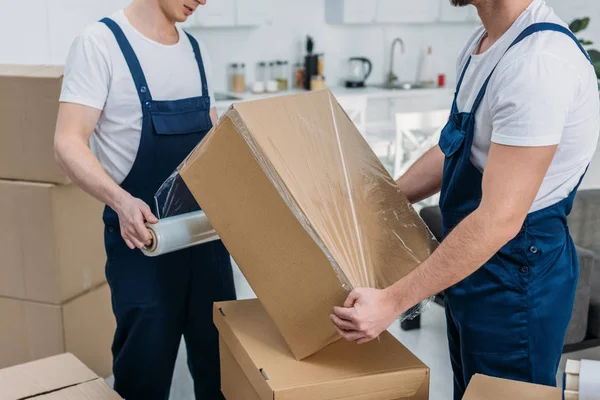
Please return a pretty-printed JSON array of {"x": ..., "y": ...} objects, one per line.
[
  {"x": 225, "y": 96},
  {"x": 401, "y": 86}
]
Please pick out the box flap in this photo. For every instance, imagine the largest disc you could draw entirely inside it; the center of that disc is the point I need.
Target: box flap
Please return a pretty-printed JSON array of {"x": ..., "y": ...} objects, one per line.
[
  {"x": 340, "y": 370},
  {"x": 484, "y": 387},
  {"x": 37, "y": 71},
  {"x": 93, "y": 390},
  {"x": 43, "y": 376}
]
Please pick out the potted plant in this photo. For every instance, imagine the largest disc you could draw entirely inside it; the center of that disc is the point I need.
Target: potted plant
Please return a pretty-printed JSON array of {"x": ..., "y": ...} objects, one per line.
[{"x": 580, "y": 25}]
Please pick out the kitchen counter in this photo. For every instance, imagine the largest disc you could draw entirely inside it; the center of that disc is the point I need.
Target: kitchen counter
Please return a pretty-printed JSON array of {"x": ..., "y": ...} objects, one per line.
[{"x": 369, "y": 92}]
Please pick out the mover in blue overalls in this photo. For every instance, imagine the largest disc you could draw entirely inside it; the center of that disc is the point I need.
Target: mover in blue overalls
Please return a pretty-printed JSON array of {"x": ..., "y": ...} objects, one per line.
[
  {"x": 507, "y": 318},
  {"x": 157, "y": 300},
  {"x": 536, "y": 273}
]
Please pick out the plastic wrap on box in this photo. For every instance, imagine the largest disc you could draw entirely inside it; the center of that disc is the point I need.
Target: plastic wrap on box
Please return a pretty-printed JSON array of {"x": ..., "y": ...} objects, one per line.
[{"x": 333, "y": 183}]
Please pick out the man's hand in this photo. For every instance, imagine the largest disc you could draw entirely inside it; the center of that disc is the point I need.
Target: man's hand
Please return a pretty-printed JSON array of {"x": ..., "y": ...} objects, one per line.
[
  {"x": 365, "y": 314},
  {"x": 133, "y": 213}
]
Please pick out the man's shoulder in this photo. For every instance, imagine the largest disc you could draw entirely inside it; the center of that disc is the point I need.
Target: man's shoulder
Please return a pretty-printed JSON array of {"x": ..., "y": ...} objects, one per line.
[{"x": 97, "y": 34}]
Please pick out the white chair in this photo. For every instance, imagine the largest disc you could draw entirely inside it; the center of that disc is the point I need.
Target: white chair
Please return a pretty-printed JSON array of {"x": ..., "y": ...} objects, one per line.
[
  {"x": 416, "y": 133},
  {"x": 356, "y": 108}
]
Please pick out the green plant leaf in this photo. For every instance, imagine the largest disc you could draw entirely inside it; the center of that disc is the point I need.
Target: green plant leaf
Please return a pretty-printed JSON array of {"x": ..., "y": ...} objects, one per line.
[
  {"x": 579, "y": 24},
  {"x": 575, "y": 26},
  {"x": 585, "y": 42},
  {"x": 585, "y": 22},
  {"x": 597, "y": 68},
  {"x": 594, "y": 55}
]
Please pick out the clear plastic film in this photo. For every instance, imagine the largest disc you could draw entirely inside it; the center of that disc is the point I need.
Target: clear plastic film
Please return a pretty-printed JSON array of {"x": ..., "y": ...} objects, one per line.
[
  {"x": 179, "y": 232},
  {"x": 334, "y": 184}
]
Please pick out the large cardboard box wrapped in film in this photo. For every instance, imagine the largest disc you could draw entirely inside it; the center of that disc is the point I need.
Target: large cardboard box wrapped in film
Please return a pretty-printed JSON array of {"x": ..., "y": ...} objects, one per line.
[
  {"x": 29, "y": 97},
  {"x": 305, "y": 208},
  {"x": 51, "y": 242},
  {"x": 84, "y": 326},
  {"x": 61, "y": 377},
  {"x": 484, "y": 387},
  {"x": 256, "y": 363}
]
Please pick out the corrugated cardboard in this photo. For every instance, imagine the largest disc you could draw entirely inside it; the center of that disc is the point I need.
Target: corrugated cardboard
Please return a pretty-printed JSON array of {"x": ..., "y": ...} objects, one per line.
[
  {"x": 51, "y": 242},
  {"x": 28, "y": 110},
  {"x": 84, "y": 326},
  {"x": 61, "y": 377},
  {"x": 305, "y": 207},
  {"x": 257, "y": 364},
  {"x": 483, "y": 387}
]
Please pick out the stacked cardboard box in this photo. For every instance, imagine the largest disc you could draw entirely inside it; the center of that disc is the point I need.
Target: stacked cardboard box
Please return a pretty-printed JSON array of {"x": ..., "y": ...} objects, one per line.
[
  {"x": 61, "y": 377},
  {"x": 308, "y": 212},
  {"x": 53, "y": 292}
]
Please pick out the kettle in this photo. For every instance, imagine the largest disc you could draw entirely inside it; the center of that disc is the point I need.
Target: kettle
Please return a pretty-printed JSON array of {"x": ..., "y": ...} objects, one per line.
[{"x": 359, "y": 69}]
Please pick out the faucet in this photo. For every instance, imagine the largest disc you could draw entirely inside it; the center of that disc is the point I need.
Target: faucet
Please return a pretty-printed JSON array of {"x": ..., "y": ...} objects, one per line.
[{"x": 391, "y": 77}]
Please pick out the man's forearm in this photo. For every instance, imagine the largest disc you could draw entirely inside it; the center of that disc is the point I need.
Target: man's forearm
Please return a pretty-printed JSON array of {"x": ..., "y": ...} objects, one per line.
[
  {"x": 470, "y": 245},
  {"x": 424, "y": 178},
  {"x": 76, "y": 158}
]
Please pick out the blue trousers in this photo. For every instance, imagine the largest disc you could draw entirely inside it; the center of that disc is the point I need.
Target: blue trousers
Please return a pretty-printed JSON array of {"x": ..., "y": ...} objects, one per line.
[{"x": 156, "y": 301}]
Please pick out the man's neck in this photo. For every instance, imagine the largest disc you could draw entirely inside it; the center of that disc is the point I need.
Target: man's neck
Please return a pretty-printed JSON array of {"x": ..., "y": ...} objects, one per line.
[
  {"x": 499, "y": 15},
  {"x": 151, "y": 21}
]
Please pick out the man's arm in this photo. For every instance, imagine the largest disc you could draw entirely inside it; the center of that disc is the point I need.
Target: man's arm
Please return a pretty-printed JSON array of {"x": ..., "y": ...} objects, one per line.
[
  {"x": 424, "y": 178},
  {"x": 74, "y": 127},
  {"x": 512, "y": 178},
  {"x": 214, "y": 117}
]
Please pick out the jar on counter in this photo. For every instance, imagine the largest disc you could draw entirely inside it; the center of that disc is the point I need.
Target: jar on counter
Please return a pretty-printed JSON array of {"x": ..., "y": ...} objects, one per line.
[
  {"x": 317, "y": 82},
  {"x": 260, "y": 83},
  {"x": 272, "y": 84},
  {"x": 238, "y": 77},
  {"x": 299, "y": 76},
  {"x": 283, "y": 79}
]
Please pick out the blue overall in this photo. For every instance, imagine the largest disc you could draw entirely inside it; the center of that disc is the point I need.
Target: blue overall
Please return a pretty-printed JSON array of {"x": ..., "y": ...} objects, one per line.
[
  {"x": 157, "y": 300},
  {"x": 510, "y": 317}
]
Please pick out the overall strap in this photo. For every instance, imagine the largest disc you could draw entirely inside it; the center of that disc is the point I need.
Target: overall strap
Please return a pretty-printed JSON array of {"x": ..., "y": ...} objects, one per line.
[
  {"x": 196, "y": 48},
  {"x": 132, "y": 61},
  {"x": 530, "y": 30}
]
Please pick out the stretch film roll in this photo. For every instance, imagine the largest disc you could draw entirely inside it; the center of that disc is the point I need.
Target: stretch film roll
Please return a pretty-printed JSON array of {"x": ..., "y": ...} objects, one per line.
[
  {"x": 179, "y": 232},
  {"x": 582, "y": 380}
]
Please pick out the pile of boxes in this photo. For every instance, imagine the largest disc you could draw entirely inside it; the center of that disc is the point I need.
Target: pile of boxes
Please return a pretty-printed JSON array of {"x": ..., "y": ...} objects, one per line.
[
  {"x": 308, "y": 212},
  {"x": 53, "y": 292}
]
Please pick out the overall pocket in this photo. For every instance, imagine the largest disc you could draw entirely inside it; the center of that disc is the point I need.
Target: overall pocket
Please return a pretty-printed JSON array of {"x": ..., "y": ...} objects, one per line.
[{"x": 451, "y": 139}]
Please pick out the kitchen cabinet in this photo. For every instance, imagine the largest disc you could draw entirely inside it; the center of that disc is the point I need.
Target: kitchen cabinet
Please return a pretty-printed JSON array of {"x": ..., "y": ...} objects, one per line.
[
  {"x": 230, "y": 13},
  {"x": 449, "y": 13},
  {"x": 350, "y": 11},
  {"x": 397, "y": 11},
  {"x": 407, "y": 11},
  {"x": 220, "y": 13},
  {"x": 252, "y": 12}
]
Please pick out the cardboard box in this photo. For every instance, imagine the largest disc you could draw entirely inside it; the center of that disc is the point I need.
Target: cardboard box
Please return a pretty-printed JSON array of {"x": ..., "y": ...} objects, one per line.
[
  {"x": 28, "y": 109},
  {"x": 305, "y": 208},
  {"x": 483, "y": 387},
  {"x": 51, "y": 242},
  {"x": 84, "y": 326},
  {"x": 61, "y": 377},
  {"x": 256, "y": 363}
]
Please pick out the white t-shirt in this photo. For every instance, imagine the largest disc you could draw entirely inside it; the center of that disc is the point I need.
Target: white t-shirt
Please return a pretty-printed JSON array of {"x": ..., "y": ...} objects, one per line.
[
  {"x": 97, "y": 75},
  {"x": 544, "y": 92}
]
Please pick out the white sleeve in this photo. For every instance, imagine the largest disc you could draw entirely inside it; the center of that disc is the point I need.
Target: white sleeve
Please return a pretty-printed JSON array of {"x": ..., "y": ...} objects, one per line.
[
  {"x": 531, "y": 99},
  {"x": 208, "y": 71},
  {"x": 87, "y": 72}
]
